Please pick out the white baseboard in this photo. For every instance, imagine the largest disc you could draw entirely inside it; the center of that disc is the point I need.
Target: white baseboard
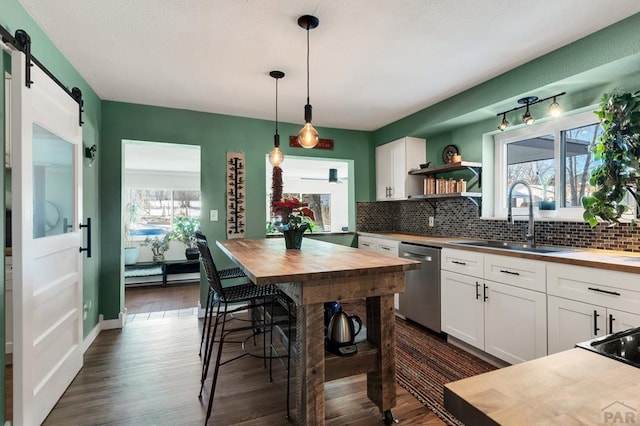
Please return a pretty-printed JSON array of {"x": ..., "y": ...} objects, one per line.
[
  {"x": 91, "y": 337},
  {"x": 114, "y": 323}
]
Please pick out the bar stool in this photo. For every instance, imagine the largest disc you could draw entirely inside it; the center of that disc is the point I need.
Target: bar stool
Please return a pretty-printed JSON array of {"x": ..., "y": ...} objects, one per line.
[{"x": 246, "y": 296}]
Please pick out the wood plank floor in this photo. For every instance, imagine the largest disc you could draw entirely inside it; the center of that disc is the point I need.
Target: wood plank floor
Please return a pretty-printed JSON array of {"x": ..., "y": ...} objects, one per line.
[
  {"x": 156, "y": 298},
  {"x": 148, "y": 374}
]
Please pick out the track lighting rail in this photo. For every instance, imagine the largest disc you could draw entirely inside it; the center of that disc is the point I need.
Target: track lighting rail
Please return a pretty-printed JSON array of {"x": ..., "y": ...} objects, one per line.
[
  {"x": 526, "y": 102},
  {"x": 531, "y": 103}
]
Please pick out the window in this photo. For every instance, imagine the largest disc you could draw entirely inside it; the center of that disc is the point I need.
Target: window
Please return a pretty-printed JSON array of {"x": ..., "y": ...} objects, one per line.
[
  {"x": 554, "y": 158},
  {"x": 307, "y": 179},
  {"x": 156, "y": 208}
]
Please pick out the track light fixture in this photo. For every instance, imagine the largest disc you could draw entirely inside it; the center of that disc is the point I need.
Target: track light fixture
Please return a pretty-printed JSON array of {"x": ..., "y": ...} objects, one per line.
[
  {"x": 308, "y": 136},
  {"x": 554, "y": 110},
  {"x": 504, "y": 123},
  {"x": 276, "y": 157}
]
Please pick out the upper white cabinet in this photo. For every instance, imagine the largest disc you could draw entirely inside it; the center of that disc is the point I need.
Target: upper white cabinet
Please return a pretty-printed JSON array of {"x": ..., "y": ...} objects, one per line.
[{"x": 393, "y": 162}]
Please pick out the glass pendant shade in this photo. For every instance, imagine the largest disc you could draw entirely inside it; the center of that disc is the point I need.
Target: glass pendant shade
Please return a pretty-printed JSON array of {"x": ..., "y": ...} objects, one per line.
[
  {"x": 308, "y": 136},
  {"x": 276, "y": 157},
  {"x": 555, "y": 110}
]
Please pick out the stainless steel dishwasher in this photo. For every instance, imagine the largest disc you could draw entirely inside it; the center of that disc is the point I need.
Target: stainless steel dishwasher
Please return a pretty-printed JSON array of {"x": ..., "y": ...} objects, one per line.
[{"x": 421, "y": 300}]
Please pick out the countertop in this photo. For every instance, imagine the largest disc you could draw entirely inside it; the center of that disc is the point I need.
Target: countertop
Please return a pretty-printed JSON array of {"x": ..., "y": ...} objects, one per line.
[
  {"x": 604, "y": 259},
  {"x": 571, "y": 387}
]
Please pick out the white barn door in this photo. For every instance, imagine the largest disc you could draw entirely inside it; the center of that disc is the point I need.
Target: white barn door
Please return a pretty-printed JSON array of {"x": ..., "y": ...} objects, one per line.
[{"x": 47, "y": 203}]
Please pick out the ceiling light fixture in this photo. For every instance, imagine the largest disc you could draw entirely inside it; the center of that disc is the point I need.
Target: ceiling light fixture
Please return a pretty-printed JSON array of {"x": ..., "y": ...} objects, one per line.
[
  {"x": 554, "y": 109},
  {"x": 276, "y": 157},
  {"x": 308, "y": 136},
  {"x": 504, "y": 123}
]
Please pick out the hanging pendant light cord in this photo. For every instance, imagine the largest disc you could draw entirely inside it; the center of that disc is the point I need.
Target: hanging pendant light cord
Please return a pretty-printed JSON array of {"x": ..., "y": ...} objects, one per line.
[
  {"x": 276, "y": 106},
  {"x": 307, "y": 64}
]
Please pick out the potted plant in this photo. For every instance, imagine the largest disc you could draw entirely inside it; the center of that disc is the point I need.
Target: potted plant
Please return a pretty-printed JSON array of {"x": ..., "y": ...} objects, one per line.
[
  {"x": 131, "y": 214},
  {"x": 546, "y": 207},
  {"x": 296, "y": 219},
  {"x": 618, "y": 150},
  {"x": 184, "y": 228},
  {"x": 159, "y": 245}
]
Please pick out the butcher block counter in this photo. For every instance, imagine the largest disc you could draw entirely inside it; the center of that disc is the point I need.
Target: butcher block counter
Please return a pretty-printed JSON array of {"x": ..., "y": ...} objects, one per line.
[
  {"x": 322, "y": 272},
  {"x": 604, "y": 259},
  {"x": 567, "y": 388}
]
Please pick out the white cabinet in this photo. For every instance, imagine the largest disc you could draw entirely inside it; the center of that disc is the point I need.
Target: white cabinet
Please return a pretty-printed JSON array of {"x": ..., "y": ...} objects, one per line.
[
  {"x": 8, "y": 300},
  {"x": 506, "y": 319},
  {"x": 383, "y": 246},
  {"x": 584, "y": 303},
  {"x": 393, "y": 162}
]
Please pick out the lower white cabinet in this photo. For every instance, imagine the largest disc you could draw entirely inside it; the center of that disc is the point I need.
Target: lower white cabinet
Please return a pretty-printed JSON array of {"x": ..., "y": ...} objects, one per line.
[
  {"x": 383, "y": 246},
  {"x": 572, "y": 322},
  {"x": 505, "y": 321},
  {"x": 584, "y": 303}
]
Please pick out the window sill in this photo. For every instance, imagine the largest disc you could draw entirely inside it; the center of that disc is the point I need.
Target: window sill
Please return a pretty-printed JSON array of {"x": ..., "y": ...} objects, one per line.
[{"x": 279, "y": 235}]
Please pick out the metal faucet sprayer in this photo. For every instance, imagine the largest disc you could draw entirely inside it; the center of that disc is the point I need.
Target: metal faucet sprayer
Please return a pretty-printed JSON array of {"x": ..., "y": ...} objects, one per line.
[{"x": 531, "y": 232}]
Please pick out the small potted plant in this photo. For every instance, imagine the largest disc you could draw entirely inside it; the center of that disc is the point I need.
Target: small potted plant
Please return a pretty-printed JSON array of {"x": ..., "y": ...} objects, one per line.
[
  {"x": 546, "y": 207},
  {"x": 159, "y": 245},
  {"x": 295, "y": 219},
  {"x": 184, "y": 228}
]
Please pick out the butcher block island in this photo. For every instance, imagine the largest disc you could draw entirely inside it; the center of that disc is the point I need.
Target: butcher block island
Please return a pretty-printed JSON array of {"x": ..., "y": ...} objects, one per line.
[
  {"x": 574, "y": 387},
  {"x": 323, "y": 272}
]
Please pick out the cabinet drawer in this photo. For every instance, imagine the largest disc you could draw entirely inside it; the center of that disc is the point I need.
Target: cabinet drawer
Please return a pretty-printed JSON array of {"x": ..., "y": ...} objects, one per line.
[
  {"x": 389, "y": 247},
  {"x": 367, "y": 243},
  {"x": 462, "y": 262},
  {"x": 524, "y": 273},
  {"x": 611, "y": 289}
]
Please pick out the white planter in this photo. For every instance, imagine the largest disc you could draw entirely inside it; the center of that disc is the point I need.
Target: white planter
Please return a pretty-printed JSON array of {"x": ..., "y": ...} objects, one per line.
[{"x": 131, "y": 255}]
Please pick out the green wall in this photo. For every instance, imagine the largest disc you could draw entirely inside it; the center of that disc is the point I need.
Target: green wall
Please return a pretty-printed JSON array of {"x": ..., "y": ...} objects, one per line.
[
  {"x": 14, "y": 17},
  {"x": 216, "y": 135},
  {"x": 585, "y": 69}
]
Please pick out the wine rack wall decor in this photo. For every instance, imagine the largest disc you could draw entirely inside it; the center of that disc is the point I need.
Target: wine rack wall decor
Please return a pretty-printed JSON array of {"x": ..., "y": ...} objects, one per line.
[{"x": 235, "y": 195}]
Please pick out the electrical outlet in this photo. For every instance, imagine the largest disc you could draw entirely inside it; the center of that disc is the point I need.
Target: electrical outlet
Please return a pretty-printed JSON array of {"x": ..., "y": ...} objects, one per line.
[
  {"x": 213, "y": 215},
  {"x": 431, "y": 221}
]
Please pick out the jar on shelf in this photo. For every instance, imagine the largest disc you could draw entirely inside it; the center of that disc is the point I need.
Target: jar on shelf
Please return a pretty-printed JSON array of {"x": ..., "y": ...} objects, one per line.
[
  {"x": 441, "y": 186},
  {"x": 451, "y": 186},
  {"x": 461, "y": 186},
  {"x": 431, "y": 185}
]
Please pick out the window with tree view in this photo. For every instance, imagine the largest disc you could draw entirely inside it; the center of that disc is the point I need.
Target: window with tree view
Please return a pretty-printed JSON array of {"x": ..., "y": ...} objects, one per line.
[
  {"x": 555, "y": 159},
  {"x": 157, "y": 208}
]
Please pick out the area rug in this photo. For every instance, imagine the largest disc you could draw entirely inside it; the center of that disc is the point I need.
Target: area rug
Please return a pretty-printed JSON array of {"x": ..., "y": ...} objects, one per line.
[{"x": 425, "y": 362}]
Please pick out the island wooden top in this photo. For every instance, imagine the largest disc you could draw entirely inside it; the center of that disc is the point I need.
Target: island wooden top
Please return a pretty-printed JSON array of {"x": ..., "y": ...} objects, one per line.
[
  {"x": 571, "y": 387},
  {"x": 267, "y": 261}
]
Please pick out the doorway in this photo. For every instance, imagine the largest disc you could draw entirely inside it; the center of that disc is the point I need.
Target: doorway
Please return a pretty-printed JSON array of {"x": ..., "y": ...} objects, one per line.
[{"x": 161, "y": 194}]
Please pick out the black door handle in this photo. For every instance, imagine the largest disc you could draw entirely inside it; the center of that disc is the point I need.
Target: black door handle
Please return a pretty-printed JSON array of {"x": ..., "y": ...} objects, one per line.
[
  {"x": 88, "y": 248},
  {"x": 611, "y": 320},
  {"x": 484, "y": 291},
  {"x": 595, "y": 323},
  {"x": 477, "y": 290}
]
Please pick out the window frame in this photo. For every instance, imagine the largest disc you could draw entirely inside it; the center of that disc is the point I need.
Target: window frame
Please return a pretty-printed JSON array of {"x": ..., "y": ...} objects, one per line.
[{"x": 555, "y": 127}]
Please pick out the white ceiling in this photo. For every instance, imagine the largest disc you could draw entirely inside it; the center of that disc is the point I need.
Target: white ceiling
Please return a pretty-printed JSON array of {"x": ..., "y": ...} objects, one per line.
[{"x": 372, "y": 61}]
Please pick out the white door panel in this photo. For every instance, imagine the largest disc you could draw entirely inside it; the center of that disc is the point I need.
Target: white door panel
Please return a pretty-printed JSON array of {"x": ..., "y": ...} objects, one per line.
[{"x": 46, "y": 189}]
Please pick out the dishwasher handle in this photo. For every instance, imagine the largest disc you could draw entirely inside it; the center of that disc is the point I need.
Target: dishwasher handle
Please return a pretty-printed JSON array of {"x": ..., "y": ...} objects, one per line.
[{"x": 417, "y": 256}]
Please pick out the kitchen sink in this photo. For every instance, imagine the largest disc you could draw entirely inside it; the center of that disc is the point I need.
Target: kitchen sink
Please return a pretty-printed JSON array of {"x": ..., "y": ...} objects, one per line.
[
  {"x": 622, "y": 346},
  {"x": 506, "y": 245}
]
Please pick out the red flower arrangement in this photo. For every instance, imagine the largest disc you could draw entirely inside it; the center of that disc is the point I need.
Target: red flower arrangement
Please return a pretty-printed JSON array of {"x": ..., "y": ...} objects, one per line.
[{"x": 295, "y": 214}]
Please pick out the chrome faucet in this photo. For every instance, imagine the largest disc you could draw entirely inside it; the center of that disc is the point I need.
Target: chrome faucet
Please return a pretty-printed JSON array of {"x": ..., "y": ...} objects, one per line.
[{"x": 531, "y": 239}]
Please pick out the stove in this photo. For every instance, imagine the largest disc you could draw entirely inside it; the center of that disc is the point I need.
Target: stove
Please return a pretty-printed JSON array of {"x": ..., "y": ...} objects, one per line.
[{"x": 623, "y": 346}]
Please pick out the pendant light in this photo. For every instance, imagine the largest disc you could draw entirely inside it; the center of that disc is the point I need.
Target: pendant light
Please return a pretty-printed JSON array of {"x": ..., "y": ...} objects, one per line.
[
  {"x": 276, "y": 157},
  {"x": 308, "y": 136}
]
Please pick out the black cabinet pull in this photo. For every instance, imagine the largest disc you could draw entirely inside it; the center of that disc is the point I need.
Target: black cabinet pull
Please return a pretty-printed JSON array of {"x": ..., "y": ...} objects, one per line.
[
  {"x": 485, "y": 292},
  {"x": 595, "y": 323},
  {"x": 615, "y": 293},
  {"x": 88, "y": 248},
  {"x": 458, "y": 263},
  {"x": 611, "y": 320},
  {"x": 477, "y": 290},
  {"x": 509, "y": 272}
]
